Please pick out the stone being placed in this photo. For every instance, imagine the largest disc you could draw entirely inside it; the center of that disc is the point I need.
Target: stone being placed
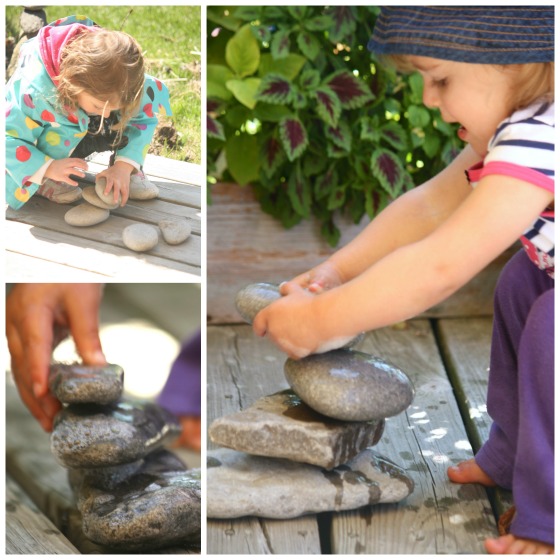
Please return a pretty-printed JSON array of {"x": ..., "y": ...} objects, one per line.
[
  {"x": 89, "y": 436},
  {"x": 79, "y": 383},
  {"x": 85, "y": 215},
  {"x": 157, "y": 506},
  {"x": 350, "y": 385},
  {"x": 140, "y": 237},
  {"x": 281, "y": 425},
  {"x": 90, "y": 195},
  {"x": 175, "y": 230},
  {"x": 239, "y": 484},
  {"x": 108, "y": 199}
]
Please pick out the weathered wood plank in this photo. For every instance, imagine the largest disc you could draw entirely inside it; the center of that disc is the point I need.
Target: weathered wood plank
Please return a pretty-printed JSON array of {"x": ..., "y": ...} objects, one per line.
[
  {"x": 438, "y": 517},
  {"x": 59, "y": 254},
  {"x": 28, "y": 531},
  {"x": 245, "y": 245},
  {"x": 465, "y": 346},
  {"x": 242, "y": 368}
]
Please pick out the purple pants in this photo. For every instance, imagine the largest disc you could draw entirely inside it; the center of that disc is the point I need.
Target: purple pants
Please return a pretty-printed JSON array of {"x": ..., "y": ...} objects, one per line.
[
  {"x": 519, "y": 454},
  {"x": 181, "y": 394}
]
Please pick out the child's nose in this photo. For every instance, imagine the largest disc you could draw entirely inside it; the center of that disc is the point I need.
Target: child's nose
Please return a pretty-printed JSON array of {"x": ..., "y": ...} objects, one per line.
[{"x": 430, "y": 96}]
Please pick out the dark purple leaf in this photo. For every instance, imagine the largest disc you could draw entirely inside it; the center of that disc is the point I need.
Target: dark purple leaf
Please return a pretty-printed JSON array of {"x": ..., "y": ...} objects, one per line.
[
  {"x": 344, "y": 18},
  {"x": 328, "y": 105},
  {"x": 214, "y": 128},
  {"x": 388, "y": 170},
  {"x": 351, "y": 91},
  {"x": 293, "y": 136},
  {"x": 272, "y": 156},
  {"x": 275, "y": 89}
]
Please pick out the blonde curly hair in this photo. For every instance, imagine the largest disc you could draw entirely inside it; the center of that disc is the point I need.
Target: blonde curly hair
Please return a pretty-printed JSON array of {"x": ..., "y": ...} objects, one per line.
[{"x": 109, "y": 66}]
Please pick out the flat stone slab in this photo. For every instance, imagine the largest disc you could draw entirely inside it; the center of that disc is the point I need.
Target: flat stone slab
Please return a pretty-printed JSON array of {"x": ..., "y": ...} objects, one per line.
[
  {"x": 239, "y": 484},
  {"x": 281, "y": 425},
  {"x": 350, "y": 385},
  {"x": 85, "y": 215},
  {"x": 79, "y": 383},
  {"x": 140, "y": 237},
  {"x": 89, "y": 436},
  {"x": 158, "y": 506}
]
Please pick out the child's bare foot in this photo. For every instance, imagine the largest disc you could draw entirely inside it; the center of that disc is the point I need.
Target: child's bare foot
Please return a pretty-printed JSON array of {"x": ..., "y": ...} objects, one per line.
[
  {"x": 469, "y": 471},
  {"x": 509, "y": 544}
]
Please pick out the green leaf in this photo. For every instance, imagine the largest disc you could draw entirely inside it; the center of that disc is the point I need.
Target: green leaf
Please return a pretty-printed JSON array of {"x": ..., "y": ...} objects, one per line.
[
  {"x": 340, "y": 135},
  {"x": 299, "y": 192},
  {"x": 308, "y": 44},
  {"x": 245, "y": 91},
  {"x": 262, "y": 33},
  {"x": 248, "y": 13},
  {"x": 274, "y": 88},
  {"x": 237, "y": 116},
  {"x": 344, "y": 23},
  {"x": 330, "y": 232},
  {"x": 242, "y": 154},
  {"x": 325, "y": 183},
  {"x": 370, "y": 129},
  {"x": 328, "y": 105},
  {"x": 280, "y": 44},
  {"x": 418, "y": 116},
  {"x": 416, "y": 83},
  {"x": 318, "y": 23},
  {"x": 243, "y": 52},
  {"x": 431, "y": 145},
  {"x": 216, "y": 78},
  {"x": 288, "y": 67},
  {"x": 387, "y": 168},
  {"x": 351, "y": 90},
  {"x": 293, "y": 136},
  {"x": 272, "y": 156},
  {"x": 310, "y": 79},
  {"x": 271, "y": 113},
  {"x": 297, "y": 12},
  {"x": 337, "y": 197},
  {"x": 218, "y": 15},
  {"x": 394, "y": 134}
]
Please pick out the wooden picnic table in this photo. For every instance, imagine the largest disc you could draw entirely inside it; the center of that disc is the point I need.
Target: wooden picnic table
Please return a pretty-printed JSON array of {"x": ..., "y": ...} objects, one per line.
[
  {"x": 445, "y": 352},
  {"x": 41, "y": 245}
]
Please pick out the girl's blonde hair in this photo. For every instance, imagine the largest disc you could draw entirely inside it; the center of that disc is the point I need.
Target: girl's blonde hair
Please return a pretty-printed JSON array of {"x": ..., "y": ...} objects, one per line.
[
  {"x": 108, "y": 65},
  {"x": 531, "y": 81}
]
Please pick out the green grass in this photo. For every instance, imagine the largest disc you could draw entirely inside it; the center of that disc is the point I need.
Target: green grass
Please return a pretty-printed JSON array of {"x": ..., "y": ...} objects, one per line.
[{"x": 170, "y": 37}]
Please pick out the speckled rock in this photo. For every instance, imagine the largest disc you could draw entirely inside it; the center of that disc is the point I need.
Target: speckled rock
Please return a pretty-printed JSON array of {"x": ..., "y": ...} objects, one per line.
[
  {"x": 350, "y": 385},
  {"x": 89, "y": 436},
  {"x": 85, "y": 215},
  {"x": 78, "y": 383},
  {"x": 90, "y": 196},
  {"x": 142, "y": 190},
  {"x": 156, "y": 507},
  {"x": 239, "y": 484},
  {"x": 140, "y": 237},
  {"x": 109, "y": 199},
  {"x": 280, "y": 425},
  {"x": 175, "y": 230}
]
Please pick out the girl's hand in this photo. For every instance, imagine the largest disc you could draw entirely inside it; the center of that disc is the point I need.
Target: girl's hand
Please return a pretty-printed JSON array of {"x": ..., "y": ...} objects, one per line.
[
  {"x": 322, "y": 277},
  {"x": 61, "y": 169},
  {"x": 290, "y": 322},
  {"x": 118, "y": 179},
  {"x": 38, "y": 317}
]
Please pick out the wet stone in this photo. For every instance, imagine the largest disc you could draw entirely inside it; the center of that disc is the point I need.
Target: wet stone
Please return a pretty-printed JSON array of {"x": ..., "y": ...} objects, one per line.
[
  {"x": 85, "y": 215},
  {"x": 158, "y": 506},
  {"x": 350, "y": 385},
  {"x": 240, "y": 484},
  {"x": 89, "y": 436},
  {"x": 79, "y": 383},
  {"x": 281, "y": 425},
  {"x": 254, "y": 297},
  {"x": 140, "y": 237}
]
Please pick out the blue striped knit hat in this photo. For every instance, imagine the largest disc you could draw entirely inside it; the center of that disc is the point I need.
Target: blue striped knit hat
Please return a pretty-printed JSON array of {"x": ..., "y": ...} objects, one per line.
[{"x": 478, "y": 34}]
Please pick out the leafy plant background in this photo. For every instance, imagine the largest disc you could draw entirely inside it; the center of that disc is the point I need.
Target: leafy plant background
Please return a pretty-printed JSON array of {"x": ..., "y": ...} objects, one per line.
[{"x": 300, "y": 109}]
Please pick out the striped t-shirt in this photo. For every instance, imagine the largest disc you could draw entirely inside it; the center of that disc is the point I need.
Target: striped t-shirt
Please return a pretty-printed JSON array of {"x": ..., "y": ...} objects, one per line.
[{"x": 523, "y": 147}]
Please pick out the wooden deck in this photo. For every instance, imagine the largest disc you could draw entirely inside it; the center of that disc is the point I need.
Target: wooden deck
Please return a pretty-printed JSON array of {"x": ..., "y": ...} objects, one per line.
[
  {"x": 41, "y": 246},
  {"x": 446, "y": 354},
  {"x": 41, "y": 516}
]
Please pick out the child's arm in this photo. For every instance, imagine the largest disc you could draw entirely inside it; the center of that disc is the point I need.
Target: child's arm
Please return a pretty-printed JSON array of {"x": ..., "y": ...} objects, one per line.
[
  {"x": 409, "y": 218},
  {"x": 414, "y": 276}
]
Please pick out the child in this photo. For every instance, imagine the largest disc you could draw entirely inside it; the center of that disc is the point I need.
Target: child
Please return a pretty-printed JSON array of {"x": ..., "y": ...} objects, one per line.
[
  {"x": 490, "y": 69},
  {"x": 78, "y": 89}
]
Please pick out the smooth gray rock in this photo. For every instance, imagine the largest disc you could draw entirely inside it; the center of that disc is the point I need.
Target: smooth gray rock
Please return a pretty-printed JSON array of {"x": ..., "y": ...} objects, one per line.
[
  {"x": 108, "y": 199},
  {"x": 85, "y": 215},
  {"x": 239, "y": 484},
  {"x": 89, "y": 436},
  {"x": 350, "y": 385},
  {"x": 90, "y": 195},
  {"x": 142, "y": 189},
  {"x": 157, "y": 506},
  {"x": 254, "y": 297},
  {"x": 280, "y": 425},
  {"x": 78, "y": 383},
  {"x": 175, "y": 230},
  {"x": 140, "y": 237}
]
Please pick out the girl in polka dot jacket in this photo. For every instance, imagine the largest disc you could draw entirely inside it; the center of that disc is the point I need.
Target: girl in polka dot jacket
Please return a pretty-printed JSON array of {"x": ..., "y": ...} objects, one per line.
[{"x": 78, "y": 89}]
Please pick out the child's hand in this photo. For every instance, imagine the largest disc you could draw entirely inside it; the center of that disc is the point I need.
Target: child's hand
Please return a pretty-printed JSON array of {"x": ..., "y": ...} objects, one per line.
[
  {"x": 322, "y": 277},
  {"x": 118, "y": 179},
  {"x": 61, "y": 169},
  {"x": 290, "y": 322}
]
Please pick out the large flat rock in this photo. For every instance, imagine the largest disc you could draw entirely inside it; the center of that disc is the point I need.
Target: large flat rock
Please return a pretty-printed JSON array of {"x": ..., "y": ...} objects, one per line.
[
  {"x": 239, "y": 484},
  {"x": 281, "y": 425}
]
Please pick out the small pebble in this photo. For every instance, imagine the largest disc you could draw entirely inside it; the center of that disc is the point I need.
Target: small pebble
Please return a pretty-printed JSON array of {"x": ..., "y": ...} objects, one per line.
[
  {"x": 175, "y": 230},
  {"x": 85, "y": 215},
  {"x": 140, "y": 237},
  {"x": 350, "y": 385},
  {"x": 90, "y": 195},
  {"x": 109, "y": 199}
]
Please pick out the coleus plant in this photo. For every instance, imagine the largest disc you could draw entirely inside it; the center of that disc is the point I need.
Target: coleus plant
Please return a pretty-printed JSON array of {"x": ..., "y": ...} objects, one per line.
[{"x": 299, "y": 109}]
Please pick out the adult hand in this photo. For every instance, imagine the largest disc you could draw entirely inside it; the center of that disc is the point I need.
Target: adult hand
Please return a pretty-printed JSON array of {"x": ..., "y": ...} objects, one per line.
[
  {"x": 61, "y": 169},
  {"x": 118, "y": 179},
  {"x": 38, "y": 317}
]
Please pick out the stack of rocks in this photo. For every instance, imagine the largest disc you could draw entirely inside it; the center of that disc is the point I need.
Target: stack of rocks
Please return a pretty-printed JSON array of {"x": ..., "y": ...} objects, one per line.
[
  {"x": 138, "y": 237},
  {"x": 132, "y": 494},
  {"x": 308, "y": 449}
]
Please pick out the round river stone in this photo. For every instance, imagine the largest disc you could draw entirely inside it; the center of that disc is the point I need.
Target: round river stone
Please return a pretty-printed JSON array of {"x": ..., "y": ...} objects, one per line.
[
  {"x": 85, "y": 215},
  {"x": 175, "y": 230},
  {"x": 89, "y": 195},
  {"x": 108, "y": 199},
  {"x": 350, "y": 385},
  {"x": 140, "y": 237},
  {"x": 142, "y": 190},
  {"x": 254, "y": 297}
]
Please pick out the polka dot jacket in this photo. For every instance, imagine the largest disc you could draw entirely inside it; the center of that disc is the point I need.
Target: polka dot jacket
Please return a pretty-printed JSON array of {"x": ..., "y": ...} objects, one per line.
[{"x": 38, "y": 130}]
